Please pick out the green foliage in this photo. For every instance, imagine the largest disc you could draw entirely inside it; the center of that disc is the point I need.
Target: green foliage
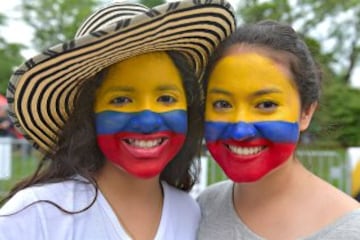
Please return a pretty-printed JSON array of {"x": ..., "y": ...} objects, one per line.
[
  {"x": 55, "y": 21},
  {"x": 253, "y": 11},
  {"x": 9, "y": 57},
  {"x": 338, "y": 119},
  {"x": 151, "y": 3},
  {"x": 2, "y": 19}
]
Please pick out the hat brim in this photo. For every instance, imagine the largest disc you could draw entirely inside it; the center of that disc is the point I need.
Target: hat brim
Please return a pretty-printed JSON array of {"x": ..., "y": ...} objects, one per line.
[{"x": 41, "y": 90}]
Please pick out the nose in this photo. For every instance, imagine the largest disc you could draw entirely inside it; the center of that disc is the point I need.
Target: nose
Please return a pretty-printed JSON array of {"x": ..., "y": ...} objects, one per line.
[
  {"x": 146, "y": 122},
  {"x": 243, "y": 130}
]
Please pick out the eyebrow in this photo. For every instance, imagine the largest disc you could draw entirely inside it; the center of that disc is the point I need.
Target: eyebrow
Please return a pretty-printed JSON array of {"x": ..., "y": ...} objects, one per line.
[
  {"x": 167, "y": 87},
  {"x": 266, "y": 91},
  {"x": 256, "y": 94},
  {"x": 122, "y": 89},
  {"x": 219, "y": 91},
  {"x": 131, "y": 89}
]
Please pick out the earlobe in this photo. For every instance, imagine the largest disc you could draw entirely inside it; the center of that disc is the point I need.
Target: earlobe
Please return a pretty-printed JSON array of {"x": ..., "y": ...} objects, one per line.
[{"x": 306, "y": 116}]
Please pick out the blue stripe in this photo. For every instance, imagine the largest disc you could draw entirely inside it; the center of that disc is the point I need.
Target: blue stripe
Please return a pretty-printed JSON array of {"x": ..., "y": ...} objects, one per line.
[
  {"x": 276, "y": 131},
  {"x": 110, "y": 122}
]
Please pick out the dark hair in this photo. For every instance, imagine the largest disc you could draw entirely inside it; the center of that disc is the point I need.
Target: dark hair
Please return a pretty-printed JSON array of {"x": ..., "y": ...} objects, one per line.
[
  {"x": 277, "y": 37},
  {"x": 77, "y": 152}
]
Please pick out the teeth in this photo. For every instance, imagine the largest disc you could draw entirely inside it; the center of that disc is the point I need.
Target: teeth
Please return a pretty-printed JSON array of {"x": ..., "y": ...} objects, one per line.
[
  {"x": 145, "y": 143},
  {"x": 245, "y": 150}
]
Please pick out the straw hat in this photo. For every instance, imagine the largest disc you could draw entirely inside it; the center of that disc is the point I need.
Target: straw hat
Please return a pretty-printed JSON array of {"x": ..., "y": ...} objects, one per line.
[{"x": 41, "y": 91}]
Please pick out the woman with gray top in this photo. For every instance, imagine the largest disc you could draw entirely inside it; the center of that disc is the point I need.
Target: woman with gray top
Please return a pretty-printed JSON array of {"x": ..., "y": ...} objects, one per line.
[{"x": 262, "y": 89}]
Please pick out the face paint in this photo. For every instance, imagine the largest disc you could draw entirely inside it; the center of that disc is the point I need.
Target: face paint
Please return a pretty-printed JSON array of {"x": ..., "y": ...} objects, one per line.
[
  {"x": 252, "y": 113},
  {"x": 141, "y": 118}
]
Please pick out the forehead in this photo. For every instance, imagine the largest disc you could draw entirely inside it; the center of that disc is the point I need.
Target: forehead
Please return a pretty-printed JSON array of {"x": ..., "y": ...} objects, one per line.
[
  {"x": 247, "y": 79},
  {"x": 249, "y": 70},
  {"x": 142, "y": 70},
  {"x": 282, "y": 58}
]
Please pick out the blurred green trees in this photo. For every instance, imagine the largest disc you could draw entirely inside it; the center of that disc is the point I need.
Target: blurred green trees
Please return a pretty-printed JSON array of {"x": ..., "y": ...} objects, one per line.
[
  {"x": 55, "y": 21},
  {"x": 9, "y": 57}
]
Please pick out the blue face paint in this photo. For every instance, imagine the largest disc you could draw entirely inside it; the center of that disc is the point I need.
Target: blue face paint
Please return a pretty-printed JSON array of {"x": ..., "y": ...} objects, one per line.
[
  {"x": 145, "y": 122},
  {"x": 274, "y": 131}
]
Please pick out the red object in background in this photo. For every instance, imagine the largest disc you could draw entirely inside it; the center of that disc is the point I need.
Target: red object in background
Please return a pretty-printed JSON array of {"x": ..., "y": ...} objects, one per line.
[
  {"x": 14, "y": 132},
  {"x": 3, "y": 101}
]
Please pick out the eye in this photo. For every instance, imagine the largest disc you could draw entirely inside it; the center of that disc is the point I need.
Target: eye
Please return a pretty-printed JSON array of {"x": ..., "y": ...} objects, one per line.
[
  {"x": 167, "y": 99},
  {"x": 267, "y": 106},
  {"x": 221, "y": 105},
  {"x": 120, "y": 101}
]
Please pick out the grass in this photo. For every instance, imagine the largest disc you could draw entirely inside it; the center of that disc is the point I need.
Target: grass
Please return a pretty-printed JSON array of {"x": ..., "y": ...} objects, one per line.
[{"x": 21, "y": 166}]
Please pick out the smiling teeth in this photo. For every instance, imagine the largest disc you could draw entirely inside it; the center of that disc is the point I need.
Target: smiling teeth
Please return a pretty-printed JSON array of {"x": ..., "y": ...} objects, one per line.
[
  {"x": 145, "y": 143},
  {"x": 245, "y": 150}
]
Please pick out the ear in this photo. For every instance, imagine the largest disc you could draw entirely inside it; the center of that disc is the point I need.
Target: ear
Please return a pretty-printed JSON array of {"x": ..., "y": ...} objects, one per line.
[{"x": 306, "y": 116}]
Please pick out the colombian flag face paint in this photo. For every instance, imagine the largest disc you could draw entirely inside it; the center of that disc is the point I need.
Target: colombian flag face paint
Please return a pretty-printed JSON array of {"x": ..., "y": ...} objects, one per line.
[
  {"x": 141, "y": 118},
  {"x": 252, "y": 114}
]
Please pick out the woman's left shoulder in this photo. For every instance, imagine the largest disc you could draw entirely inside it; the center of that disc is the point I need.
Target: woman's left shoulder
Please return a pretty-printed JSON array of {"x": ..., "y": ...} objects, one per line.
[
  {"x": 347, "y": 227},
  {"x": 352, "y": 217}
]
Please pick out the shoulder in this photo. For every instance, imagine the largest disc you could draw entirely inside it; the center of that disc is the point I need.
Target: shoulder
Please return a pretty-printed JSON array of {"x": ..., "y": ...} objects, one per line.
[
  {"x": 61, "y": 193},
  {"x": 218, "y": 218},
  {"x": 350, "y": 222},
  {"x": 20, "y": 200},
  {"x": 16, "y": 214},
  {"x": 40, "y": 206},
  {"x": 345, "y": 228},
  {"x": 216, "y": 193}
]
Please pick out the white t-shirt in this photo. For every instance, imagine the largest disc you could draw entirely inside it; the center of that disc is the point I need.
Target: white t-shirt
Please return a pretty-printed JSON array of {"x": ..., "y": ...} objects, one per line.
[{"x": 43, "y": 221}]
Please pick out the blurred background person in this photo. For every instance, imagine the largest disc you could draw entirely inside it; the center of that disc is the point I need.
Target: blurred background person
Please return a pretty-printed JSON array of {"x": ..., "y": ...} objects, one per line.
[{"x": 6, "y": 127}]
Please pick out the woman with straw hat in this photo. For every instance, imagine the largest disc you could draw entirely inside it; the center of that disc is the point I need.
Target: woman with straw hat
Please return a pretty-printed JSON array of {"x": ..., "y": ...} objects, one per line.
[{"x": 116, "y": 111}]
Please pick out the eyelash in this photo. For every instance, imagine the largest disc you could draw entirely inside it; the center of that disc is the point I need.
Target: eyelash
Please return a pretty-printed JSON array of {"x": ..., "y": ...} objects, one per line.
[
  {"x": 167, "y": 99},
  {"x": 121, "y": 101},
  {"x": 224, "y": 104},
  {"x": 264, "y": 105}
]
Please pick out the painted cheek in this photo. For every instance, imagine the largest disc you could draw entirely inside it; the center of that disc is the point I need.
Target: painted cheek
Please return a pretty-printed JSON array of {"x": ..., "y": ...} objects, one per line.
[
  {"x": 110, "y": 122},
  {"x": 278, "y": 140},
  {"x": 114, "y": 128}
]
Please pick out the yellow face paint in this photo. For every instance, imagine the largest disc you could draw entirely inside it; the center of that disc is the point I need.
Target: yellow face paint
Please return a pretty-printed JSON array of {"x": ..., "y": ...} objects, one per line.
[
  {"x": 146, "y": 82},
  {"x": 141, "y": 118},
  {"x": 251, "y": 88},
  {"x": 252, "y": 114}
]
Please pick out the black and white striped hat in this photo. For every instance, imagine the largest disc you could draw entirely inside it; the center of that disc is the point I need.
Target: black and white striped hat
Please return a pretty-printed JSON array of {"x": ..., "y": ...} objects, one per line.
[{"x": 40, "y": 90}]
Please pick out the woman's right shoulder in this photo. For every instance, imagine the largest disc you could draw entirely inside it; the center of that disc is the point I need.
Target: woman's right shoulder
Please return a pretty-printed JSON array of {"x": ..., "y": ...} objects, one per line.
[
  {"x": 51, "y": 192},
  {"x": 16, "y": 215},
  {"x": 19, "y": 201}
]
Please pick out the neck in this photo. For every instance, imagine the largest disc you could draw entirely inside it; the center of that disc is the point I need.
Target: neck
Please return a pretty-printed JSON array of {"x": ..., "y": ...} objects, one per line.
[
  {"x": 136, "y": 202},
  {"x": 284, "y": 181},
  {"x": 115, "y": 183}
]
